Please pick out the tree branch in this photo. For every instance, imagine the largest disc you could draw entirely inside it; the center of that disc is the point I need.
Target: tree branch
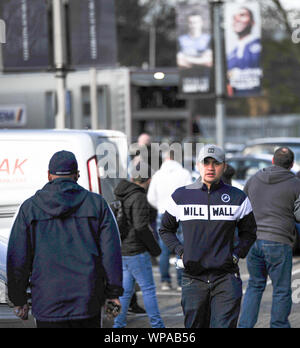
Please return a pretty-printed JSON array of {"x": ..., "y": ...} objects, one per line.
[{"x": 288, "y": 27}]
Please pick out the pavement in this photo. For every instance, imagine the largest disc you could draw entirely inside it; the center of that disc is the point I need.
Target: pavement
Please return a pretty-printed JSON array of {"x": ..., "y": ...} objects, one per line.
[{"x": 170, "y": 308}]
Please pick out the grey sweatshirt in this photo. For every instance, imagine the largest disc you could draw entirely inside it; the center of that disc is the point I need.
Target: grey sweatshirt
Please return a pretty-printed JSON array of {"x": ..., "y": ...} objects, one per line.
[{"x": 274, "y": 193}]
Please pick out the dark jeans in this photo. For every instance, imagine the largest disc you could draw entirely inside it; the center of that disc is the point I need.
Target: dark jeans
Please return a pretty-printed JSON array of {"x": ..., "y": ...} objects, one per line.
[
  {"x": 90, "y": 323},
  {"x": 215, "y": 304},
  {"x": 276, "y": 260}
]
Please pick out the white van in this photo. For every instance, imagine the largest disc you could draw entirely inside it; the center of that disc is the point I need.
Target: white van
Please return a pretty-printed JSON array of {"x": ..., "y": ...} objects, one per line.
[{"x": 25, "y": 155}]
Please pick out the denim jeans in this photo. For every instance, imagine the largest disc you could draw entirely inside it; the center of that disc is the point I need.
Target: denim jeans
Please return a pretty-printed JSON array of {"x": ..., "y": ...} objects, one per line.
[
  {"x": 164, "y": 264},
  {"x": 215, "y": 304},
  {"x": 139, "y": 268},
  {"x": 273, "y": 259}
]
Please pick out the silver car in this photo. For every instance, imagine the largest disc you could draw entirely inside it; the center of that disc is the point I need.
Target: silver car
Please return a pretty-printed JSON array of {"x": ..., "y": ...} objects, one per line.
[{"x": 267, "y": 146}]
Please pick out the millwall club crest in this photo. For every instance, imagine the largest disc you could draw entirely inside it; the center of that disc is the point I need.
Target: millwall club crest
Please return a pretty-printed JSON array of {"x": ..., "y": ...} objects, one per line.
[{"x": 225, "y": 198}]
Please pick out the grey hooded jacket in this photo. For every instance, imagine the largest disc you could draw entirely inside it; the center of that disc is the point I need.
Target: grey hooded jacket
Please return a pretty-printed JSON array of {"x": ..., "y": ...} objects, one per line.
[{"x": 274, "y": 193}]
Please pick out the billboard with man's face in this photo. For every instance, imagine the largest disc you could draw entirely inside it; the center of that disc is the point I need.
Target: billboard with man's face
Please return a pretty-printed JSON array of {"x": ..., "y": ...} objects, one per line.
[
  {"x": 194, "y": 54},
  {"x": 243, "y": 49}
]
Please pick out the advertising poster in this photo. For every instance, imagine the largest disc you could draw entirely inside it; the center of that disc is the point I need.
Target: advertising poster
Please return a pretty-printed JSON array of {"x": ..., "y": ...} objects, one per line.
[
  {"x": 194, "y": 53},
  {"x": 92, "y": 29},
  {"x": 243, "y": 49},
  {"x": 27, "y": 35}
]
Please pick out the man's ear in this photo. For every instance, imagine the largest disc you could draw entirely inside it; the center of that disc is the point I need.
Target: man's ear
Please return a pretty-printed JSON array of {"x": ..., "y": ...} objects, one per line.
[
  {"x": 273, "y": 160},
  {"x": 49, "y": 176},
  {"x": 77, "y": 176}
]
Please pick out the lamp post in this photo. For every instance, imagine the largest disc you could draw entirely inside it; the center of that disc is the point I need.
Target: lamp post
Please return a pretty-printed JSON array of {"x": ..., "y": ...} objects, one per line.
[
  {"x": 2, "y": 39},
  {"x": 60, "y": 61},
  {"x": 220, "y": 89}
]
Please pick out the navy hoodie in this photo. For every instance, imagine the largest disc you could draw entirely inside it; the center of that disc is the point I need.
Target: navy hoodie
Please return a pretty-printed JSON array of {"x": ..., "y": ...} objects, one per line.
[
  {"x": 65, "y": 240},
  {"x": 209, "y": 219}
]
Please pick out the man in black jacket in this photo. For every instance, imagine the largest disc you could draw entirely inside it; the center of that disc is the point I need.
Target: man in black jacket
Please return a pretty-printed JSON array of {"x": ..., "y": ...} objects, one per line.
[
  {"x": 66, "y": 242},
  {"x": 137, "y": 247},
  {"x": 209, "y": 212}
]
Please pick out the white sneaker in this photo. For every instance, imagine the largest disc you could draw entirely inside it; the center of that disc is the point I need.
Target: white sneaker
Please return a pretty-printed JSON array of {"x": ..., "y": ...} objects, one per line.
[{"x": 165, "y": 286}]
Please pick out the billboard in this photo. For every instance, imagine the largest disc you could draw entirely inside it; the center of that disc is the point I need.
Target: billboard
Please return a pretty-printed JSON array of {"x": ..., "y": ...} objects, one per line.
[
  {"x": 92, "y": 31},
  {"x": 27, "y": 35},
  {"x": 194, "y": 53},
  {"x": 243, "y": 49}
]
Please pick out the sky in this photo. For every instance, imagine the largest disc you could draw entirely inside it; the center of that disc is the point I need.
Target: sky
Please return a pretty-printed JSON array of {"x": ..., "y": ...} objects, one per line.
[
  {"x": 287, "y": 4},
  {"x": 290, "y": 4}
]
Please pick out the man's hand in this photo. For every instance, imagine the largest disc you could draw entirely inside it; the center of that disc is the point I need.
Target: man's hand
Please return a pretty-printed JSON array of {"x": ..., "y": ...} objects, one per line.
[
  {"x": 22, "y": 311},
  {"x": 112, "y": 308}
]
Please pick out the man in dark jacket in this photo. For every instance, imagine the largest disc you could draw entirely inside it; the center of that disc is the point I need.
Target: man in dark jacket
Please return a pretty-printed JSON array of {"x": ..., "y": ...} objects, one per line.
[
  {"x": 274, "y": 193},
  {"x": 66, "y": 243},
  {"x": 209, "y": 211},
  {"x": 137, "y": 247}
]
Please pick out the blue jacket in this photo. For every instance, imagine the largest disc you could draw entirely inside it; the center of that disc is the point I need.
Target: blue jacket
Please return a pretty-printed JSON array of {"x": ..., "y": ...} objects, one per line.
[
  {"x": 209, "y": 220},
  {"x": 249, "y": 60},
  {"x": 66, "y": 242}
]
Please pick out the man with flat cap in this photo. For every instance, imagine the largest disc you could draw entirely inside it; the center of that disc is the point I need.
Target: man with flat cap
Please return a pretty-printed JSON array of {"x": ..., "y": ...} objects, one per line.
[
  {"x": 209, "y": 212},
  {"x": 65, "y": 244}
]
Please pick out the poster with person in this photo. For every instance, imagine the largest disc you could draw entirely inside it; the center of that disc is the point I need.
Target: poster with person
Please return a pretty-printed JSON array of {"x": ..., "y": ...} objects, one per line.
[
  {"x": 26, "y": 25},
  {"x": 194, "y": 42},
  {"x": 243, "y": 49},
  {"x": 92, "y": 27}
]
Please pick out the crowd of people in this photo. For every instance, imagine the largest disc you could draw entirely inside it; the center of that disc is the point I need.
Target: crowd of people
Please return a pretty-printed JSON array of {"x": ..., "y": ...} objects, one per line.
[{"x": 65, "y": 243}]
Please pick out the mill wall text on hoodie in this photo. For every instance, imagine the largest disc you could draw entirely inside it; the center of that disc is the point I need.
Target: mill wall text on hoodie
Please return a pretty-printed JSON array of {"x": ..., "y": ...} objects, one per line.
[{"x": 209, "y": 219}]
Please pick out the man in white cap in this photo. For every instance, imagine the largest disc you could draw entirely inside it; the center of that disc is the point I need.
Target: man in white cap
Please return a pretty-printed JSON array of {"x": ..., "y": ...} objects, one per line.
[{"x": 209, "y": 212}]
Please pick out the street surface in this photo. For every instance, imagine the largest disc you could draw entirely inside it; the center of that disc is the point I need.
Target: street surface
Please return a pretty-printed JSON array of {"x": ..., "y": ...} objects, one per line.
[{"x": 169, "y": 304}]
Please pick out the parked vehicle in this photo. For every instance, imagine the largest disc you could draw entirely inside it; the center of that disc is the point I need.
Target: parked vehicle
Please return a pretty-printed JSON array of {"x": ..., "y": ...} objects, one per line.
[
  {"x": 102, "y": 157},
  {"x": 246, "y": 166},
  {"x": 269, "y": 145}
]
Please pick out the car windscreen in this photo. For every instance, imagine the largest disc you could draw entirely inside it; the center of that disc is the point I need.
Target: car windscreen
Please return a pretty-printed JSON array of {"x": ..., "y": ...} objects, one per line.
[
  {"x": 271, "y": 148},
  {"x": 244, "y": 168}
]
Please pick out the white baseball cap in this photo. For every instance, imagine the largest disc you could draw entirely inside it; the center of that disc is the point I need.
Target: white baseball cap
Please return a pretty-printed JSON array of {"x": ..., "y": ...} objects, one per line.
[{"x": 213, "y": 151}]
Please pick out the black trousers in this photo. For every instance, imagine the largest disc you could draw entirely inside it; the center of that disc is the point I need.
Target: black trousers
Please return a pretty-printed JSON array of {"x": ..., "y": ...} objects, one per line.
[
  {"x": 215, "y": 304},
  {"x": 90, "y": 323}
]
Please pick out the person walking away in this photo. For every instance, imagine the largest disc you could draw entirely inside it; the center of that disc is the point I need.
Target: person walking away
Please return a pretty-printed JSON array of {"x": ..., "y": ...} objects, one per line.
[
  {"x": 65, "y": 244},
  {"x": 274, "y": 193},
  {"x": 142, "y": 153},
  {"x": 209, "y": 211},
  {"x": 169, "y": 177},
  {"x": 137, "y": 247}
]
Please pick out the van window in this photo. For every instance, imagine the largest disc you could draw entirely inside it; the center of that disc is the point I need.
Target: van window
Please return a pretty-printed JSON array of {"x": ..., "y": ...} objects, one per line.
[{"x": 112, "y": 157}]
